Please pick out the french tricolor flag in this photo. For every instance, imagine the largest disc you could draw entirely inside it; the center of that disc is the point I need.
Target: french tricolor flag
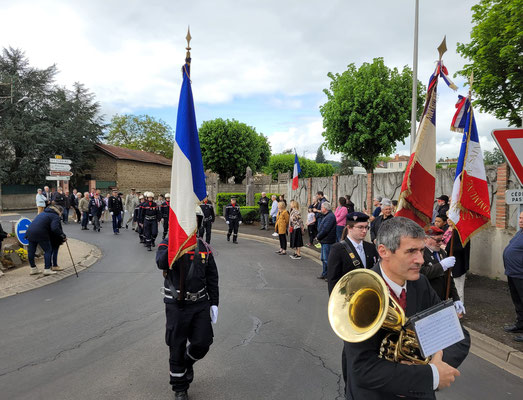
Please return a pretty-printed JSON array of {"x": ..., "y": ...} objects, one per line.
[
  {"x": 469, "y": 210},
  {"x": 187, "y": 176},
  {"x": 296, "y": 172}
]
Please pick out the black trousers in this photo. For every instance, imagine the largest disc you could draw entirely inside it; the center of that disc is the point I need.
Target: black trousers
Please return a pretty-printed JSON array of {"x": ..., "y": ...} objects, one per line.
[
  {"x": 189, "y": 335},
  {"x": 233, "y": 226},
  {"x": 313, "y": 231},
  {"x": 150, "y": 231},
  {"x": 515, "y": 286},
  {"x": 206, "y": 228},
  {"x": 283, "y": 241},
  {"x": 165, "y": 227}
]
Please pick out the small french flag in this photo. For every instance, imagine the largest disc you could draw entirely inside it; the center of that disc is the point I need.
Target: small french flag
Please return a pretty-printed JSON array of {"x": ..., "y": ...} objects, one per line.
[{"x": 296, "y": 172}]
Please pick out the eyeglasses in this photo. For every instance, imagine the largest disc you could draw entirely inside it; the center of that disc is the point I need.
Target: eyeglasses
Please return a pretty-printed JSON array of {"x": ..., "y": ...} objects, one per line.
[
  {"x": 362, "y": 228},
  {"x": 436, "y": 240}
]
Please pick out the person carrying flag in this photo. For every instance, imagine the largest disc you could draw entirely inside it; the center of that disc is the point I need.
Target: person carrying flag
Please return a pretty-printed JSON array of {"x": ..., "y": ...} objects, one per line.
[{"x": 233, "y": 218}]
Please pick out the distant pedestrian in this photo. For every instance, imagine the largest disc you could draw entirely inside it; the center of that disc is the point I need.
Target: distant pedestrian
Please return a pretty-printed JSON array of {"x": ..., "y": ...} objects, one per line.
[
  {"x": 443, "y": 205},
  {"x": 115, "y": 207},
  {"x": 136, "y": 218},
  {"x": 282, "y": 198},
  {"x": 326, "y": 235},
  {"x": 296, "y": 228},
  {"x": 74, "y": 205},
  {"x": 164, "y": 211},
  {"x": 96, "y": 207},
  {"x": 274, "y": 208},
  {"x": 105, "y": 212},
  {"x": 264, "y": 211},
  {"x": 350, "y": 204},
  {"x": 41, "y": 201},
  {"x": 513, "y": 262},
  {"x": 67, "y": 206},
  {"x": 58, "y": 197},
  {"x": 83, "y": 206},
  {"x": 341, "y": 217},
  {"x": 282, "y": 222},
  {"x": 320, "y": 199},
  {"x": 460, "y": 269},
  {"x": 39, "y": 234},
  {"x": 130, "y": 204},
  {"x": 311, "y": 226},
  {"x": 386, "y": 213},
  {"x": 233, "y": 218},
  {"x": 208, "y": 219},
  {"x": 47, "y": 193}
]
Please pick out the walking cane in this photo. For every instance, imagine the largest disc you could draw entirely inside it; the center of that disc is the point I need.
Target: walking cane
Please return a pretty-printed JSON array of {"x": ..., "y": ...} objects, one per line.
[{"x": 70, "y": 255}]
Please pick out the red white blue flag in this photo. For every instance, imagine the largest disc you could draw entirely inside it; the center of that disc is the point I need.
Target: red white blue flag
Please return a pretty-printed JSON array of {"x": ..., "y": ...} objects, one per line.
[
  {"x": 469, "y": 209},
  {"x": 187, "y": 177},
  {"x": 417, "y": 190},
  {"x": 296, "y": 172}
]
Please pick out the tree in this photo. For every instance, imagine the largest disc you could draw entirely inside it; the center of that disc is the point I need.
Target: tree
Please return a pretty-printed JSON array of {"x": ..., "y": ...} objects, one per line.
[
  {"x": 494, "y": 157},
  {"x": 496, "y": 55},
  {"x": 141, "y": 132},
  {"x": 320, "y": 158},
  {"x": 281, "y": 163},
  {"x": 229, "y": 147},
  {"x": 43, "y": 120},
  {"x": 347, "y": 165},
  {"x": 368, "y": 111}
]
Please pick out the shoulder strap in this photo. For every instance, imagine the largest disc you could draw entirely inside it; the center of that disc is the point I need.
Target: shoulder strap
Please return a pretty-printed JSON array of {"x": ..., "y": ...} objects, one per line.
[{"x": 353, "y": 254}]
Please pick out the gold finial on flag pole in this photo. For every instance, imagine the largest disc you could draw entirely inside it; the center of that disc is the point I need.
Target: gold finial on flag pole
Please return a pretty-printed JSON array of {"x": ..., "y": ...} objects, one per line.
[
  {"x": 442, "y": 48},
  {"x": 188, "y": 48}
]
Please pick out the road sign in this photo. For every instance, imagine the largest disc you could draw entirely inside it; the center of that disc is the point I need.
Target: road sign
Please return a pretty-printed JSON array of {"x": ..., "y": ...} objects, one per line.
[
  {"x": 59, "y": 167},
  {"x": 510, "y": 142},
  {"x": 59, "y": 161},
  {"x": 21, "y": 229},
  {"x": 514, "y": 196},
  {"x": 57, "y": 178},
  {"x": 60, "y": 173}
]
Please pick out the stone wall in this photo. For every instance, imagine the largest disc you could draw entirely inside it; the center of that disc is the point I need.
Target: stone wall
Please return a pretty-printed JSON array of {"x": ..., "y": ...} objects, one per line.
[
  {"x": 104, "y": 169},
  {"x": 143, "y": 176}
]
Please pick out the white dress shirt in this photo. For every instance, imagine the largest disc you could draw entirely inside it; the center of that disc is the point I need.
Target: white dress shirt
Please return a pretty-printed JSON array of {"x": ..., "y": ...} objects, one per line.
[{"x": 359, "y": 250}]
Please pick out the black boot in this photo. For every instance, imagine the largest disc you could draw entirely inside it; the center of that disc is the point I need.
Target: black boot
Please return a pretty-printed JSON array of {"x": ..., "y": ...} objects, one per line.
[
  {"x": 149, "y": 248},
  {"x": 154, "y": 244},
  {"x": 181, "y": 395},
  {"x": 228, "y": 238}
]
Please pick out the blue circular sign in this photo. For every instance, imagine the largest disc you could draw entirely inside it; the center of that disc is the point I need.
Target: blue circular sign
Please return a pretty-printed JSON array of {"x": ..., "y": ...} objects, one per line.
[{"x": 21, "y": 229}]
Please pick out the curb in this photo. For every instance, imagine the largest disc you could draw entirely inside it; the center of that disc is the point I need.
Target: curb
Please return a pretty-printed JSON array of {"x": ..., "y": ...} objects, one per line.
[
  {"x": 483, "y": 346},
  {"x": 93, "y": 256}
]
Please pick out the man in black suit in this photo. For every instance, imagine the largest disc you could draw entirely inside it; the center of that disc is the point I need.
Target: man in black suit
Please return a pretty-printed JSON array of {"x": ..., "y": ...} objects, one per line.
[
  {"x": 351, "y": 253},
  {"x": 435, "y": 265},
  {"x": 400, "y": 247}
]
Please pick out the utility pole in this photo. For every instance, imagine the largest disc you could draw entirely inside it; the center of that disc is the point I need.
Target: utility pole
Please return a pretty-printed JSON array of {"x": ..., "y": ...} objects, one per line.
[{"x": 414, "y": 80}]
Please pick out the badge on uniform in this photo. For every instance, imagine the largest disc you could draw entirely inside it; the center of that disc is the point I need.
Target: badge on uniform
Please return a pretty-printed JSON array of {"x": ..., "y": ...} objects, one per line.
[{"x": 355, "y": 262}]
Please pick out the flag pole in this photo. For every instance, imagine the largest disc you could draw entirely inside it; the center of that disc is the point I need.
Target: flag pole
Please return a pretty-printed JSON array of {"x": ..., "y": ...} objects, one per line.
[
  {"x": 451, "y": 250},
  {"x": 414, "y": 110}
]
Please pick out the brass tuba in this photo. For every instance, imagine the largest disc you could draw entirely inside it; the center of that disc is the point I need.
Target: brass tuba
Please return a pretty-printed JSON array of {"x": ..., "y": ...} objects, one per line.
[{"x": 360, "y": 305}]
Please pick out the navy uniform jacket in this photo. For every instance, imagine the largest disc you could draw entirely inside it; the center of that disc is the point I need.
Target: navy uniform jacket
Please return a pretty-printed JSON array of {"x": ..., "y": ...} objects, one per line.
[
  {"x": 115, "y": 205},
  {"x": 96, "y": 209},
  {"x": 149, "y": 209},
  {"x": 340, "y": 261},
  {"x": 164, "y": 210},
  {"x": 208, "y": 212},
  {"x": 200, "y": 272},
  {"x": 374, "y": 378},
  {"x": 433, "y": 270},
  {"x": 233, "y": 213}
]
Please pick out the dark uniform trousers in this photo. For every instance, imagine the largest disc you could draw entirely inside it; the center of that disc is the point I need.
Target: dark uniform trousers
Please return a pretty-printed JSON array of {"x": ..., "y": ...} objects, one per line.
[
  {"x": 187, "y": 323},
  {"x": 206, "y": 228},
  {"x": 233, "y": 227},
  {"x": 165, "y": 227},
  {"x": 150, "y": 230}
]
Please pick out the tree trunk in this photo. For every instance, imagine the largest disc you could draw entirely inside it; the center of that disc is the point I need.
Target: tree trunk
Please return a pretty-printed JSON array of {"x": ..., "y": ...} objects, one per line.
[{"x": 370, "y": 190}]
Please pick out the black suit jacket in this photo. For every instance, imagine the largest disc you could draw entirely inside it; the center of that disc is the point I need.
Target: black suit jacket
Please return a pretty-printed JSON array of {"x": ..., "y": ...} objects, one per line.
[
  {"x": 340, "y": 261},
  {"x": 433, "y": 270},
  {"x": 373, "y": 378}
]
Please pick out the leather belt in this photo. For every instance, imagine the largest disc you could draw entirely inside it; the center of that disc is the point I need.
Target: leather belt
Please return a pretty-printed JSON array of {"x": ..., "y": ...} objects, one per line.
[
  {"x": 150, "y": 217},
  {"x": 195, "y": 296}
]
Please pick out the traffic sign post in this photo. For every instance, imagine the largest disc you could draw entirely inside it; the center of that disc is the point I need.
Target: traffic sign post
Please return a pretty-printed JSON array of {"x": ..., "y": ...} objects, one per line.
[
  {"x": 59, "y": 167},
  {"x": 59, "y": 161},
  {"x": 510, "y": 142},
  {"x": 21, "y": 229}
]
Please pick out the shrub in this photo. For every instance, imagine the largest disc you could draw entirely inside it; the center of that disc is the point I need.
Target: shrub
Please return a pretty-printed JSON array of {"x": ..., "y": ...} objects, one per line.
[
  {"x": 250, "y": 214},
  {"x": 222, "y": 199}
]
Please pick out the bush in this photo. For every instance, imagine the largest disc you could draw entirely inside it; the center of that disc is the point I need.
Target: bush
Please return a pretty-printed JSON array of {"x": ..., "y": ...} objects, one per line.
[
  {"x": 222, "y": 199},
  {"x": 250, "y": 214}
]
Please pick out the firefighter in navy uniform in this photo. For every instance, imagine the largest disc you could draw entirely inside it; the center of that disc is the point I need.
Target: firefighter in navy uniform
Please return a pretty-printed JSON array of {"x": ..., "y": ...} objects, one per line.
[
  {"x": 136, "y": 218},
  {"x": 208, "y": 219},
  {"x": 233, "y": 218},
  {"x": 189, "y": 331},
  {"x": 164, "y": 210},
  {"x": 149, "y": 218}
]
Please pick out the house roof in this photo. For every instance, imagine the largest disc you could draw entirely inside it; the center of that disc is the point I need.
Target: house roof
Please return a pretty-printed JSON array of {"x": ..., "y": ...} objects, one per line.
[{"x": 121, "y": 153}]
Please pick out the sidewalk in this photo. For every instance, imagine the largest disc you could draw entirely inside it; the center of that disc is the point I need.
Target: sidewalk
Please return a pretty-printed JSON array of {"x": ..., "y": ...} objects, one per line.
[
  {"x": 488, "y": 304},
  {"x": 18, "y": 280}
]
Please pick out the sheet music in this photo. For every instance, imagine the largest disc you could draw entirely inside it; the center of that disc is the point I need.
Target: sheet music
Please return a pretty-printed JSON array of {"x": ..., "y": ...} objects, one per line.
[{"x": 438, "y": 331}]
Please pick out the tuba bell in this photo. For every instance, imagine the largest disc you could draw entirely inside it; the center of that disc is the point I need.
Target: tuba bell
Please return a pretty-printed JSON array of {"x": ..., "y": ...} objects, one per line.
[{"x": 360, "y": 305}]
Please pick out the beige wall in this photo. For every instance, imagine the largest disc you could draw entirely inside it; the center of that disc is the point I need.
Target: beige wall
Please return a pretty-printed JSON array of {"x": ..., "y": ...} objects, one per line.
[
  {"x": 104, "y": 169},
  {"x": 143, "y": 176}
]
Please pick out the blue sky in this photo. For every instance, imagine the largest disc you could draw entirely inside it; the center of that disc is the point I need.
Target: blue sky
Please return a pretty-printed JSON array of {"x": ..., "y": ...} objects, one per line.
[{"x": 262, "y": 63}]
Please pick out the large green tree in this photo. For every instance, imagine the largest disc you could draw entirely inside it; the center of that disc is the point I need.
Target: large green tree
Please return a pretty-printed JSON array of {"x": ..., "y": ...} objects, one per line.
[
  {"x": 141, "y": 132},
  {"x": 368, "y": 111},
  {"x": 496, "y": 54},
  {"x": 320, "y": 157},
  {"x": 230, "y": 146},
  {"x": 42, "y": 120}
]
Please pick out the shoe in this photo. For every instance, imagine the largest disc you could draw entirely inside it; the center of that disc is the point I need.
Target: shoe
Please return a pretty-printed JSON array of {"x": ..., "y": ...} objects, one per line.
[
  {"x": 181, "y": 395},
  {"x": 126, "y": 226},
  {"x": 518, "y": 338},
  {"x": 296, "y": 257},
  {"x": 235, "y": 241},
  {"x": 49, "y": 272},
  {"x": 116, "y": 233},
  {"x": 35, "y": 271},
  {"x": 512, "y": 329},
  {"x": 262, "y": 228},
  {"x": 84, "y": 229},
  {"x": 283, "y": 253},
  {"x": 275, "y": 234},
  {"x": 98, "y": 229},
  {"x": 321, "y": 277},
  {"x": 228, "y": 238},
  {"x": 278, "y": 252},
  {"x": 57, "y": 268},
  {"x": 308, "y": 244},
  {"x": 318, "y": 246},
  {"x": 149, "y": 248}
]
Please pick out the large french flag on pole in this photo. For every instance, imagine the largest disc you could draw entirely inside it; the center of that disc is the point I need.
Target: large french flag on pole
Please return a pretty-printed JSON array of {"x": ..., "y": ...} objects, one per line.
[
  {"x": 416, "y": 199},
  {"x": 296, "y": 172},
  {"x": 187, "y": 177},
  {"x": 469, "y": 210}
]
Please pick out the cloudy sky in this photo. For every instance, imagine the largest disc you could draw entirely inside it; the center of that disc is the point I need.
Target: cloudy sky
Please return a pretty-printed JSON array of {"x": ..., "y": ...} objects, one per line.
[{"x": 264, "y": 63}]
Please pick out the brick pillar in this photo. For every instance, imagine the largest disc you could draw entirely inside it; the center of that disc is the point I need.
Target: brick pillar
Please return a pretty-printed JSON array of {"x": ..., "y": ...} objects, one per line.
[
  {"x": 370, "y": 191},
  {"x": 334, "y": 191},
  {"x": 501, "y": 206},
  {"x": 309, "y": 191}
]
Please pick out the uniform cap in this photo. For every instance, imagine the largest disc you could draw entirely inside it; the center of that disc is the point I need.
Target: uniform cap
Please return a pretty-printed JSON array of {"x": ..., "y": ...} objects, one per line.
[
  {"x": 167, "y": 195},
  {"x": 434, "y": 231},
  {"x": 357, "y": 217}
]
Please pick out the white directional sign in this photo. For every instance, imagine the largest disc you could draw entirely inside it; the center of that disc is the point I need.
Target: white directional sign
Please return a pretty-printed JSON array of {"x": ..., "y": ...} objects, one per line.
[
  {"x": 59, "y": 161},
  {"x": 514, "y": 196},
  {"x": 59, "y": 167},
  {"x": 57, "y": 178}
]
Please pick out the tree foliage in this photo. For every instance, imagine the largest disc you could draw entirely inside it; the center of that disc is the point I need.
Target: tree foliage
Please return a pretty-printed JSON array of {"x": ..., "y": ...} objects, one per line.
[
  {"x": 320, "y": 157},
  {"x": 141, "y": 132},
  {"x": 368, "y": 111},
  {"x": 496, "y": 55},
  {"x": 285, "y": 163},
  {"x": 230, "y": 146},
  {"x": 494, "y": 157},
  {"x": 43, "y": 120},
  {"x": 347, "y": 165}
]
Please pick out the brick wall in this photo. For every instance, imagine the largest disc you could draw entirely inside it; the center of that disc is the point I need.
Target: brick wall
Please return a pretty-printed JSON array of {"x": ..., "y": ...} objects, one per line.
[
  {"x": 143, "y": 176},
  {"x": 501, "y": 206},
  {"x": 104, "y": 169}
]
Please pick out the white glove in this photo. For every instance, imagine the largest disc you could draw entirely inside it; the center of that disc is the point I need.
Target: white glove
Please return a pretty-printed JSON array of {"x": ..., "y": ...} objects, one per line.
[
  {"x": 227, "y": 222},
  {"x": 239, "y": 222},
  {"x": 448, "y": 262},
  {"x": 121, "y": 213},
  {"x": 111, "y": 213},
  {"x": 460, "y": 308},
  {"x": 214, "y": 314}
]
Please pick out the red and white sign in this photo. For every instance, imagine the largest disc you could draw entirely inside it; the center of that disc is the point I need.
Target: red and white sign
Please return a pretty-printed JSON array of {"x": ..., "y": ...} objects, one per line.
[
  {"x": 510, "y": 142},
  {"x": 60, "y": 173}
]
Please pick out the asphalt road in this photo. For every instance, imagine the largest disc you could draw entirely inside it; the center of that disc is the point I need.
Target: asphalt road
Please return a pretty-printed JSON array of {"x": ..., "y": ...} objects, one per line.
[{"x": 101, "y": 336}]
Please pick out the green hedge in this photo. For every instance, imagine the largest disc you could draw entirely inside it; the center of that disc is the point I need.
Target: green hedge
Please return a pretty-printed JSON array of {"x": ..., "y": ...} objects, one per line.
[
  {"x": 250, "y": 214},
  {"x": 222, "y": 199}
]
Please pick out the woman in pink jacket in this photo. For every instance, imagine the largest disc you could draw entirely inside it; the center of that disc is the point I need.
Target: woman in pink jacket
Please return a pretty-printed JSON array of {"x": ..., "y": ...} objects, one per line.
[{"x": 341, "y": 217}]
